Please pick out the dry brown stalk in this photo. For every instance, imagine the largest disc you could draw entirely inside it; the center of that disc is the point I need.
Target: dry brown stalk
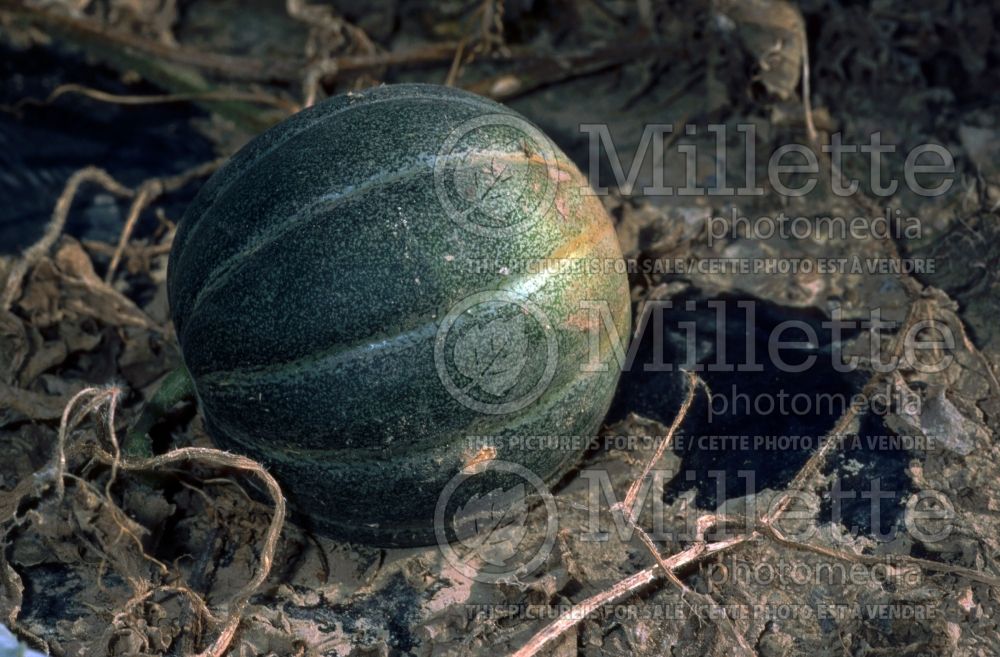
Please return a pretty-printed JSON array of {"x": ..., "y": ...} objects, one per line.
[
  {"x": 873, "y": 560},
  {"x": 148, "y": 192},
  {"x": 623, "y": 588},
  {"x": 89, "y": 29},
  {"x": 665, "y": 566},
  {"x": 219, "y": 458},
  {"x": 159, "y": 99},
  {"x": 631, "y": 514},
  {"x": 91, "y": 399},
  {"x": 629, "y": 503},
  {"x": 54, "y": 228},
  {"x": 833, "y": 439},
  {"x": 807, "y": 94}
]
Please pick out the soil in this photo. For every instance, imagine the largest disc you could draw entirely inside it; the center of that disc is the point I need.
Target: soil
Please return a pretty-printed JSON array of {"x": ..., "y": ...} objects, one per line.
[{"x": 103, "y": 556}]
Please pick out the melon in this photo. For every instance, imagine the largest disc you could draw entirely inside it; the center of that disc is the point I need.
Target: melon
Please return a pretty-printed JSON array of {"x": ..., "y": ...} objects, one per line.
[{"x": 390, "y": 288}]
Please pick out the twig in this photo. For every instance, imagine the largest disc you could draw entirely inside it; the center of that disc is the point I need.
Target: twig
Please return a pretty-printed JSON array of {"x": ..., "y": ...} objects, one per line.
[
  {"x": 68, "y": 423},
  {"x": 777, "y": 536},
  {"x": 116, "y": 452},
  {"x": 140, "y": 201},
  {"x": 148, "y": 192},
  {"x": 833, "y": 439},
  {"x": 629, "y": 503},
  {"x": 156, "y": 99},
  {"x": 551, "y": 68},
  {"x": 631, "y": 514},
  {"x": 806, "y": 93},
  {"x": 491, "y": 32},
  {"x": 580, "y": 611},
  {"x": 666, "y": 567},
  {"x": 34, "y": 253},
  {"x": 312, "y": 81},
  {"x": 456, "y": 65},
  {"x": 229, "y": 66},
  {"x": 203, "y": 455},
  {"x": 329, "y": 35},
  {"x": 220, "y": 458}
]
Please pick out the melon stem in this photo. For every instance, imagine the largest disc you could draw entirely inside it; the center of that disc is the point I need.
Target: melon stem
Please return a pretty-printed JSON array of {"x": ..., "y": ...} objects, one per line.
[{"x": 176, "y": 387}]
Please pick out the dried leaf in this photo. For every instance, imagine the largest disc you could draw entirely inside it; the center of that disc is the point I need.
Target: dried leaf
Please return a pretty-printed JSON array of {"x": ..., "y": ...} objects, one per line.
[
  {"x": 775, "y": 34},
  {"x": 13, "y": 346}
]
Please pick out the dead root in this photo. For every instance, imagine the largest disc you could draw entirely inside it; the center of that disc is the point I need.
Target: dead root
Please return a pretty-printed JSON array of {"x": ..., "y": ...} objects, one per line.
[
  {"x": 142, "y": 196},
  {"x": 148, "y": 192},
  {"x": 329, "y": 36},
  {"x": 219, "y": 458},
  {"x": 54, "y": 229},
  {"x": 110, "y": 524}
]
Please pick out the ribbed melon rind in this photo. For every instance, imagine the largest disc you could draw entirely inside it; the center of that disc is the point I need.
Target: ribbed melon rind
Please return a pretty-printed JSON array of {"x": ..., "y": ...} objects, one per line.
[{"x": 308, "y": 282}]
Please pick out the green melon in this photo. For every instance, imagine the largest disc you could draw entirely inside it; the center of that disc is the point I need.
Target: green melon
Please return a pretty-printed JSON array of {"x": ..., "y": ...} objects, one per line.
[{"x": 369, "y": 288}]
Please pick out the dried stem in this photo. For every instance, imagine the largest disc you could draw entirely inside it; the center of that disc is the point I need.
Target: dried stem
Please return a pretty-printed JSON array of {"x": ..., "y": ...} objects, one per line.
[
  {"x": 632, "y": 512},
  {"x": 623, "y": 588},
  {"x": 833, "y": 439},
  {"x": 629, "y": 503},
  {"x": 89, "y": 400},
  {"x": 218, "y": 458},
  {"x": 158, "y": 99},
  {"x": 666, "y": 566},
  {"x": 34, "y": 253},
  {"x": 776, "y": 535},
  {"x": 148, "y": 192},
  {"x": 93, "y": 31},
  {"x": 807, "y": 93}
]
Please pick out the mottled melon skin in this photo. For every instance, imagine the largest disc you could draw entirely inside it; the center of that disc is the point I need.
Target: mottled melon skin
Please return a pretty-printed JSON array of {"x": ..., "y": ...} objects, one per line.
[{"x": 307, "y": 283}]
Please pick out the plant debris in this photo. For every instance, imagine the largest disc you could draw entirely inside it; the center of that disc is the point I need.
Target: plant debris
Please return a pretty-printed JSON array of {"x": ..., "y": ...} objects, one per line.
[{"x": 186, "y": 553}]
